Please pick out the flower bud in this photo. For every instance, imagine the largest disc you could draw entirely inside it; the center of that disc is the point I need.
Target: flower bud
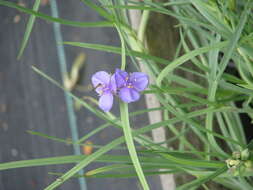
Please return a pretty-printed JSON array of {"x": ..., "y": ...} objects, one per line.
[
  {"x": 232, "y": 163},
  {"x": 248, "y": 164},
  {"x": 245, "y": 154},
  {"x": 236, "y": 155}
]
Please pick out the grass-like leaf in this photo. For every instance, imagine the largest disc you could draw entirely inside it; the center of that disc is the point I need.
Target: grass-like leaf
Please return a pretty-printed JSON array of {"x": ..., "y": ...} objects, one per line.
[
  {"x": 117, "y": 50},
  {"x": 130, "y": 144},
  {"x": 29, "y": 27},
  {"x": 179, "y": 61},
  {"x": 205, "y": 10},
  {"x": 53, "y": 19},
  {"x": 193, "y": 162},
  {"x": 84, "y": 163},
  {"x": 196, "y": 183}
]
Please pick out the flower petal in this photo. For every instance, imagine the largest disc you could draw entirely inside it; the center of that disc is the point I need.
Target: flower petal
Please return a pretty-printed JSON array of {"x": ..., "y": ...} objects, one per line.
[
  {"x": 139, "y": 80},
  {"x": 129, "y": 95},
  {"x": 113, "y": 85},
  {"x": 121, "y": 78},
  {"x": 100, "y": 77},
  {"x": 106, "y": 101}
]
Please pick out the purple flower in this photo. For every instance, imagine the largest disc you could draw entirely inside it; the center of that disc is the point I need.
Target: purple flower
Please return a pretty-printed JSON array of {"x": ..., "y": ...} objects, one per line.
[
  {"x": 129, "y": 85},
  {"x": 105, "y": 86}
]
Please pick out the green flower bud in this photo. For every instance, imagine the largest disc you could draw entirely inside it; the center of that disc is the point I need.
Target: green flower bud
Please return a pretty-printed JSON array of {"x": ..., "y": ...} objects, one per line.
[
  {"x": 234, "y": 162},
  {"x": 236, "y": 155},
  {"x": 248, "y": 164},
  {"x": 245, "y": 154}
]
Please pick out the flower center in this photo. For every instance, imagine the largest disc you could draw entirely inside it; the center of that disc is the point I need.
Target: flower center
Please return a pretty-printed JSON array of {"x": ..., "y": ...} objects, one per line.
[
  {"x": 102, "y": 88},
  {"x": 105, "y": 89},
  {"x": 128, "y": 83}
]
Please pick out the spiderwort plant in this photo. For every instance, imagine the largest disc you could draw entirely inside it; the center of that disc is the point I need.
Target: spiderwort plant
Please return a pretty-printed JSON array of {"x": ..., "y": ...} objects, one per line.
[
  {"x": 126, "y": 86},
  {"x": 217, "y": 33}
]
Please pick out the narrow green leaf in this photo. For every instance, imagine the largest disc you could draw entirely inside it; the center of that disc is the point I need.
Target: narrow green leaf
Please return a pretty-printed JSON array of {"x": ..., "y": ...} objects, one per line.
[
  {"x": 29, "y": 27},
  {"x": 119, "y": 175},
  {"x": 159, "y": 9},
  {"x": 84, "y": 163},
  {"x": 234, "y": 88},
  {"x": 130, "y": 144},
  {"x": 196, "y": 183},
  {"x": 122, "y": 159},
  {"x": 179, "y": 61},
  {"x": 53, "y": 19},
  {"x": 193, "y": 162},
  {"x": 98, "y": 9},
  {"x": 49, "y": 137},
  {"x": 106, "y": 169},
  {"x": 212, "y": 17},
  {"x": 93, "y": 132},
  {"x": 234, "y": 39},
  {"x": 196, "y": 127},
  {"x": 117, "y": 50}
]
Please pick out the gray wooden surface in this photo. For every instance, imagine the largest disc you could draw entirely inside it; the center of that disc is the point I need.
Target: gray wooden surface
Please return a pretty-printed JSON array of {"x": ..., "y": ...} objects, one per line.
[{"x": 29, "y": 102}]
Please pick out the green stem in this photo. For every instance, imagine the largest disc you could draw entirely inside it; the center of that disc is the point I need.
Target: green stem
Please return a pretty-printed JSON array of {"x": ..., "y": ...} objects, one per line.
[
  {"x": 124, "y": 115},
  {"x": 209, "y": 122},
  {"x": 130, "y": 144},
  {"x": 143, "y": 25}
]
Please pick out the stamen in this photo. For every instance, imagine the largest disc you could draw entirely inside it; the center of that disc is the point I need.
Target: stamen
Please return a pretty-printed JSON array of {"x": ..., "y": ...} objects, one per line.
[
  {"x": 100, "y": 92},
  {"x": 99, "y": 85}
]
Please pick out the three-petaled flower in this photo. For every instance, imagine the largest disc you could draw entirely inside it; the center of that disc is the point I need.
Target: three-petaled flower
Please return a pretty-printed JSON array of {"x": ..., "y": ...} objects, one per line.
[
  {"x": 129, "y": 85},
  {"x": 126, "y": 86},
  {"x": 105, "y": 86}
]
